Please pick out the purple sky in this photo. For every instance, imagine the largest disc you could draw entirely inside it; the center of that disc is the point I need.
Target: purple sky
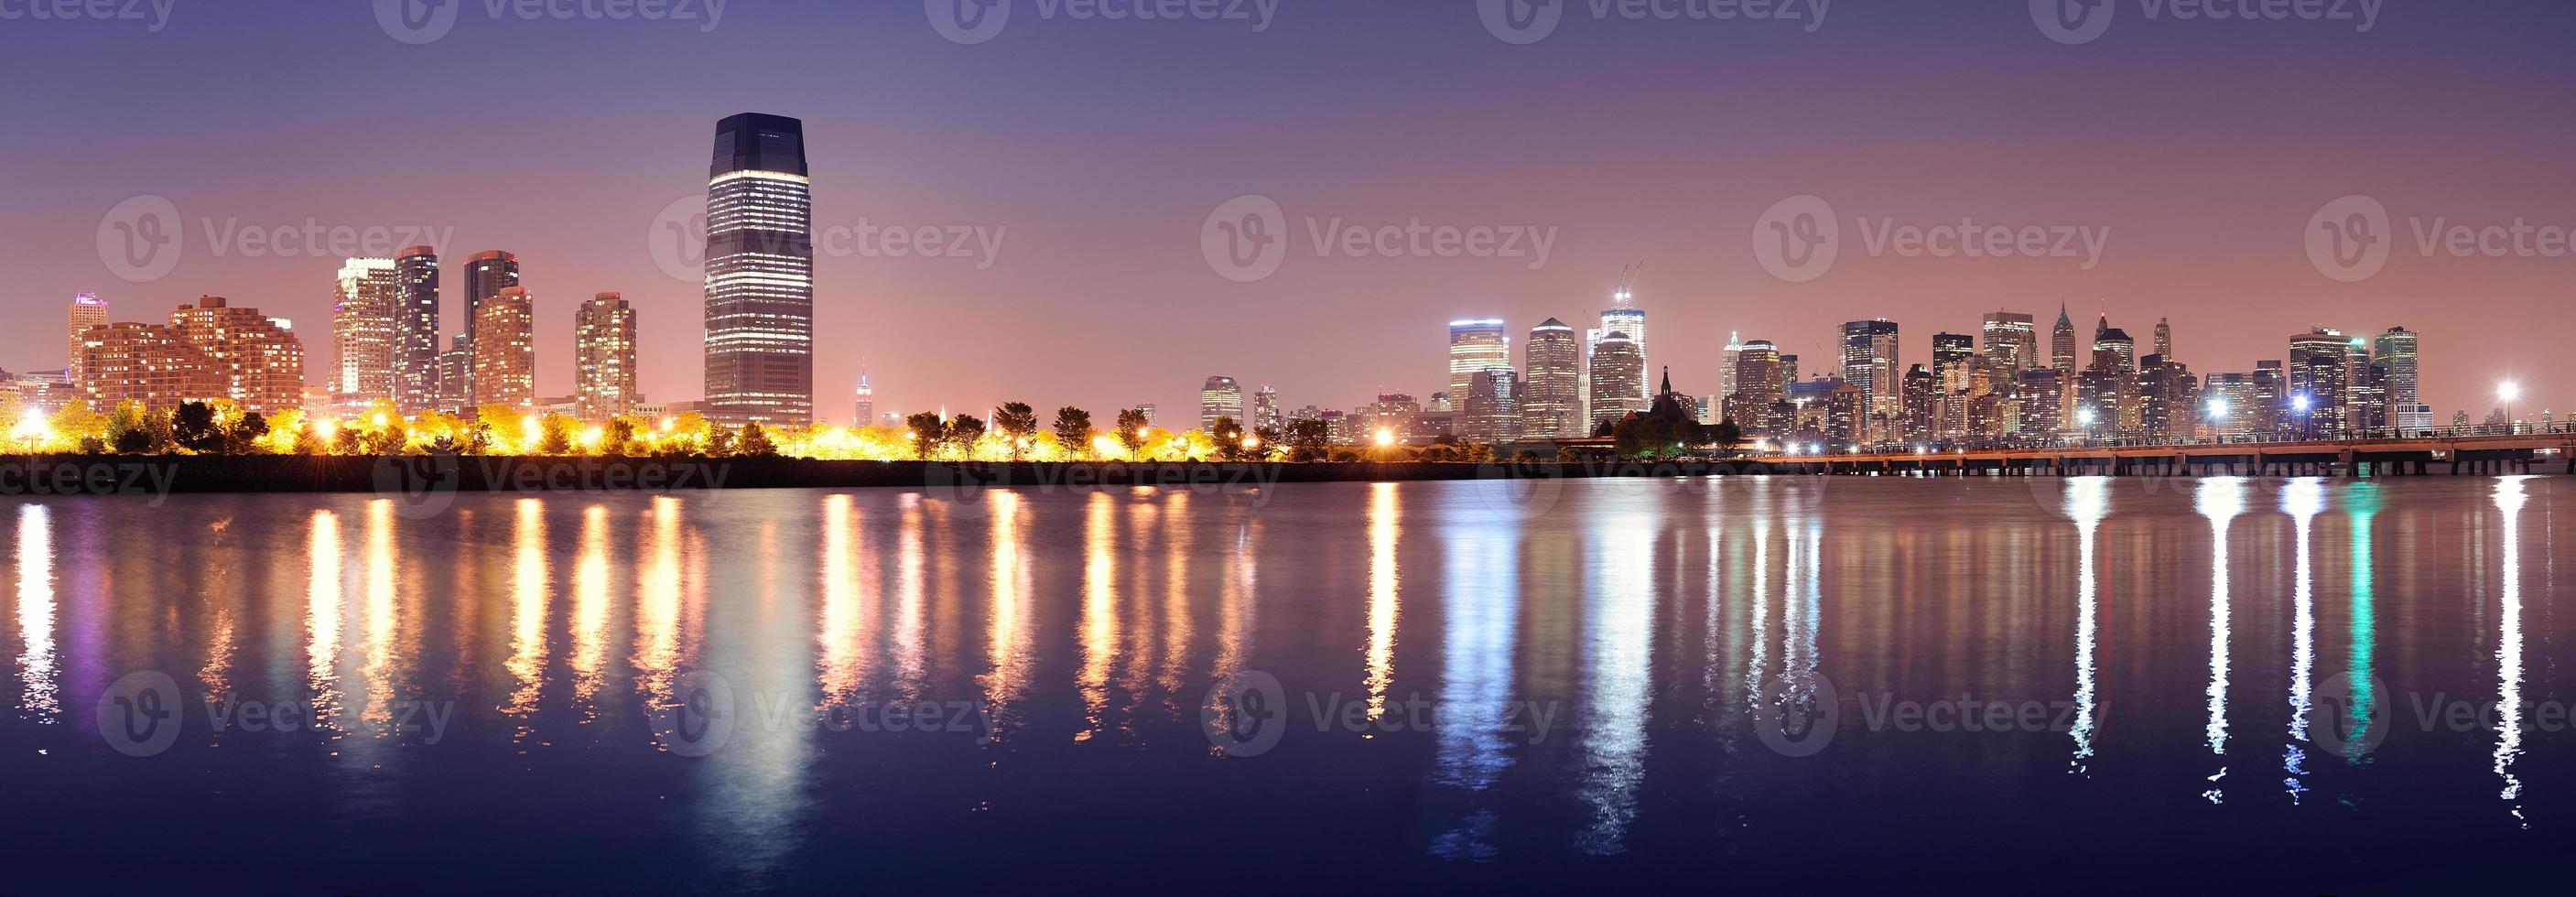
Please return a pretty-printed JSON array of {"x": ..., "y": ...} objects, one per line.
[{"x": 1099, "y": 148}]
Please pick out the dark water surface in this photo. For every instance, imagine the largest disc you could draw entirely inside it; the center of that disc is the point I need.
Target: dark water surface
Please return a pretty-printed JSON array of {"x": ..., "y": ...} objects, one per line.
[{"x": 1601, "y": 684}]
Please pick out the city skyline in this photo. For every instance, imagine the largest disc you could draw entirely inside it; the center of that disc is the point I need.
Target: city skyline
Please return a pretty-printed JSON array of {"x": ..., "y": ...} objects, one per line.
[{"x": 1107, "y": 261}]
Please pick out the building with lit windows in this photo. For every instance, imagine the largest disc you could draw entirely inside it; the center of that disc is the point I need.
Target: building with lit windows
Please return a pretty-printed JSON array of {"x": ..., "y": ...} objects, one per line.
[
  {"x": 505, "y": 351},
  {"x": 87, "y": 311},
  {"x": 415, "y": 341},
  {"x": 2061, "y": 343},
  {"x": 146, "y": 363},
  {"x": 1870, "y": 365},
  {"x": 2012, "y": 340},
  {"x": 2320, "y": 380},
  {"x": 486, "y": 275},
  {"x": 864, "y": 412},
  {"x": 1475, "y": 346},
  {"x": 604, "y": 358},
  {"x": 364, "y": 301},
  {"x": 1552, "y": 383},
  {"x": 1265, "y": 411},
  {"x": 1220, "y": 397},
  {"x": 258, "y": 358},
  {"x": 760, "y": 273},
  {"x": 1624, "y": 317},
  {"x": 2396, "y": 350},
  {"x": 1493, "y": 407},
  {"x": 1618, "y": 380}
]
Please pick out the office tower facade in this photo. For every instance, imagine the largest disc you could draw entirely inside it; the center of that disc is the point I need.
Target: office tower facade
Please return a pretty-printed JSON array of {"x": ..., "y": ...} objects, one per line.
[
  {"x": 1493, "y": 407},
  {"x": 1618, "y": 380},
  {"x": 486, "y": 275},
  {"x": 760, "y": 273},
  {"x": 2061, "y": 343},
  {"x": 1870, "y": 359},
  {"x": 505, "y": 350},
  {"x": 365, "y": 301},
  {"x": 1475, "y": 346},
  {"x": 865, "y": 407},
  {"x": 1624, "y": 317},
  {"x": 604, "y": 358},
  {"x": 1951, "y": 353},
  {"x": 1219, "y": 397},
  {"x": 2320, "y": 382},
  {"x": 1551, "y": 391},
  {"x": 2169, "y": 405},
  {"x": 2041, "y": 397},
  {"x": 2114, "y": 350},
  {"x": 1726, "y": 368},
  {"x": 455, "y": 371},
  {"x": 2233, "y": 404},
  {"x": 1265, "y": 411},
  {"x": 1923, "y": 405},
  {"x": 2398, "y": 349},
  {"x": 2164, "y": 338},
  {"x": 146, "y": 363},
  {"x": 415, "y": 348},
  {"x": 259, "y": 358},
  {"x": 87, "y": 311},
  {"x": 2012, "y": 340},
  {"x": 2271, "y": 397}
]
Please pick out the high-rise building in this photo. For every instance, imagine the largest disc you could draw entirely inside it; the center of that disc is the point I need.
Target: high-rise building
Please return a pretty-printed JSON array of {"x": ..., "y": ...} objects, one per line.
[
  {"x": 2114, "y": 350},
  {"x": 455, "y": 370},
  {"x": 87, "y": 311},
  {"x": 258, "y": 357},
  {"x": 866, "y": 408},
  {"x": 2320, "y": 382},
  {"x": 2164, "y": 338},
  {"x": 2042, "y": 395},
  {"x": 1761, "y": 384},
  {"x": 604, "y": 357},
  {"x": 362, "y": 330},
  {"x": 2169, "y": 399},
  {"x": 147, "y": 363},
  {"x": 415, "y": 348},
  {"x": 1623, "y": 316},
  {"x": 2233, "y": 404},
  {"x": 1950, "y": 355},
  {"x": 1726, "y": 369},
  {"x": 505, "y": 350},
  {"x": 2271, "y": 397},
  {"x": 486, "y": 275},
  {"x": 760, "y": 273},
  {"x": 2012, "y": 340},
  {"x": 1475, "y": 346},
  {"x": 1220, "y": 397},
  {"x": 1618, "y": 380},
  {"x": 2061, "y": 342},
  {"x": 1923, "y": 406},
  {"x": 1551, "y": 394},
  {"x": 2397, "y": 348},
  {"x": 1265, "y": 411},
  {"x": 1870, "y": 365},
  {"x": 1493, "y": 406}
]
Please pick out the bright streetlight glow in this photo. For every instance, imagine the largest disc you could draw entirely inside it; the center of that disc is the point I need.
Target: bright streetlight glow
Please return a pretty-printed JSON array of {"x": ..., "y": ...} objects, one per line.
[
  {"x": 2302, "y": 402},
  {"x": 2509, "y": 391},
  {"x": 1385, "y": 438},
  {"x": 2218, "y": 409}
]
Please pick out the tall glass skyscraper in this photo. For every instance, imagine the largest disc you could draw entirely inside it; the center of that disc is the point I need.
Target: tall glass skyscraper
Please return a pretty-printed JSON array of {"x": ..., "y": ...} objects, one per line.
[
  {"x": 760, "y": 273},
  {"x": 1475, "y": 346},
  {"x": 486, "y": 275},
  {"x": 1552, "y": 396},
  {"x": 415, "y": 349}
]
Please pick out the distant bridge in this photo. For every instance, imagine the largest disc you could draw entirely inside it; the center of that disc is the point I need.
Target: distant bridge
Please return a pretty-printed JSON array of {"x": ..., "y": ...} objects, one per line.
[{"x": 2475, "y": 450}]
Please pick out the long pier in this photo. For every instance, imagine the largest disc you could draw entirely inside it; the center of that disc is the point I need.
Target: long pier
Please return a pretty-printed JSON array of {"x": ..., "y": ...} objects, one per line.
[{"x": 2456, "y": 455}]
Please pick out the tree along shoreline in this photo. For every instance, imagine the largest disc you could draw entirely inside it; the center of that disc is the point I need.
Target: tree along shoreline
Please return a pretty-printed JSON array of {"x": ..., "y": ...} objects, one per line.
[{"x": 418, "y": 475}]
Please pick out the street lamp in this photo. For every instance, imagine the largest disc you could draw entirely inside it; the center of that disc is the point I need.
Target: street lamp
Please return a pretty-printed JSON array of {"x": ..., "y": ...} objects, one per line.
[
  {"x": 2301, "y": 403},
  {"x": 2508, "y": 392},
  {"x": 2084, "y": 417},
  {"x": 2217, "y": 419}
]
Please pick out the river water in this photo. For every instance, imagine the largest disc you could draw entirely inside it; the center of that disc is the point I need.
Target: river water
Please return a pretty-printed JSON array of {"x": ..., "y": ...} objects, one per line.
[{"x": 2239, "y": 685}]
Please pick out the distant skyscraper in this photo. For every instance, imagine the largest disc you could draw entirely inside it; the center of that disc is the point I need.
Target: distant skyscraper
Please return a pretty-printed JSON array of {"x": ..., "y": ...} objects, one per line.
[
  {"x": 1493, "y": 406},
  {"x": 1726, "y": 369},
  {"x": 1220, "y": 397},
  {"x": 2012, "y": 340},
  {"x": 1618, "y": 380},
  {"x": 2320, "y": 380},
  {"x": 455, "y": 370},
  {"x": 87, "y": 311},
  {"x": 2061, "y": 348},
  {"x": 760, "y": 273},
  {"x": 258, "y": 358},
  {"x": 2164, "y": 338},
  {"x": 2397, "y": 349},
  {"x": 415, "y": 348},
  {"x": 486, "y": 275},
  {"x": 1475, "y": 346},
  {"x": 362, "y": 330},
  {"x": 1265, "y": 411},
  {"x": 1950, "y": 355},
  {"x": 604, "y": 358},
  {"x": 505, "y": 350},
  {"x": 1870, "y": 359},
  {"x": 1623, "y": 316},
  {"x": 1551, "y": 391},
  {"x": 2113, "y": 349},
  {"x": 867, "y": 403}
]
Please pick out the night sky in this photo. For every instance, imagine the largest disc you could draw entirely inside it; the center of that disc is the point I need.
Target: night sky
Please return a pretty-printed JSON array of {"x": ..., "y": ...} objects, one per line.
[{"x": 2205, "y": 147}]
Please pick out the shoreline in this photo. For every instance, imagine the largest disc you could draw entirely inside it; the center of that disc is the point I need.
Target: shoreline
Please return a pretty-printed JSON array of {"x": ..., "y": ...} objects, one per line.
[{"x": 416, "y": 475}]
